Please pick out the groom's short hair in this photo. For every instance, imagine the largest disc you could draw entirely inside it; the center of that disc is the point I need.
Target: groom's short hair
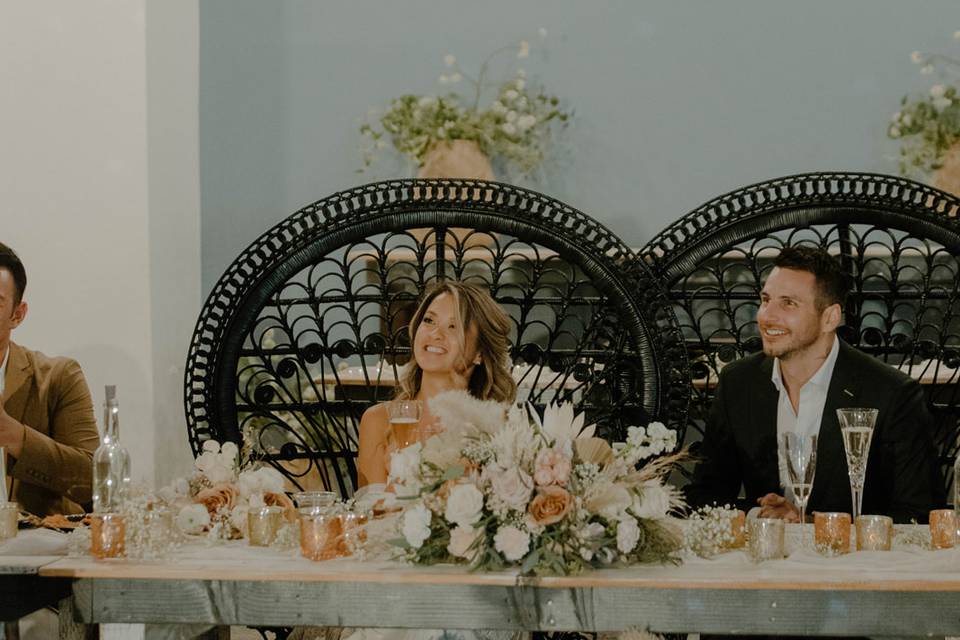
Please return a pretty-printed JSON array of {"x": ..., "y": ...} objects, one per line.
[{"x": 833, "y": 285}]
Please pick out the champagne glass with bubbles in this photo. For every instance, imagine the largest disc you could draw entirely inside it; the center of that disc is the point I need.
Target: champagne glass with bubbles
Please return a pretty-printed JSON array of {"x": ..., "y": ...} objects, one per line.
[
  {"x": 856, "y": 425},
  {"x": 799, "y": 452}
]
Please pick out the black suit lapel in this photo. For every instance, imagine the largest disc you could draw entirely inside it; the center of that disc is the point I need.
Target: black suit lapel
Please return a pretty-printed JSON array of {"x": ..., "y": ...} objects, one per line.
[
  {"x": 831, "y": 485},
  {"x": 766, "y": 471}
]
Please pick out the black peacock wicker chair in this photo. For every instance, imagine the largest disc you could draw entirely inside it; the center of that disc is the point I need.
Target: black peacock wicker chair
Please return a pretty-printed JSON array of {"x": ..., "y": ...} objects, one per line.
[
  {"x": 307, "y": 328},
  {"x": 898, "y": 239}
]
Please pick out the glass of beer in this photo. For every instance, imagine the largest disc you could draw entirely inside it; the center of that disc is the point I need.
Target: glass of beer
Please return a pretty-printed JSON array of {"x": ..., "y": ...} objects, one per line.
[{"x": 404, "y": 418}]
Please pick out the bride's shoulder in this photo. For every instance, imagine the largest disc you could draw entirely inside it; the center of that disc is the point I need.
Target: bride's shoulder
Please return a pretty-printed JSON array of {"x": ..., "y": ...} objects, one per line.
[{"x": 375, "y": 414}]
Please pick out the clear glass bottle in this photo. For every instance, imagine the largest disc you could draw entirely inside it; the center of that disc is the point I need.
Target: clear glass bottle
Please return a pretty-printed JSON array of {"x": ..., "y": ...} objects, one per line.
[{"x": 111, "y": 462}]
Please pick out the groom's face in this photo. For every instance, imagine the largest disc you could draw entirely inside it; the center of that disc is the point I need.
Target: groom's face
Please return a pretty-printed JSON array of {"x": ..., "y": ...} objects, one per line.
[{"x": 789, "y": 317}]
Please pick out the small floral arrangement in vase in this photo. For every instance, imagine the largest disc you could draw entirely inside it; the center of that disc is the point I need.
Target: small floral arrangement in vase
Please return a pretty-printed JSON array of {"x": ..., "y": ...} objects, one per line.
[
  {"x": 501, "y": 488},
  {"x": 928, "y": 126},
  {"x": 453, "y": 135}
]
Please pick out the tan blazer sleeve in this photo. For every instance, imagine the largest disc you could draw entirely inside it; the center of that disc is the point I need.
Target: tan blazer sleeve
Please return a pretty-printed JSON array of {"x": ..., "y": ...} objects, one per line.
[{"x": 62, "y": 462}]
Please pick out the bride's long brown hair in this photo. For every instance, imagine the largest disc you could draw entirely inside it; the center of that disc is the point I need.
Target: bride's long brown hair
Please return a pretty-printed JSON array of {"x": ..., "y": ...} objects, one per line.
[{"x": 491, "y": 379}]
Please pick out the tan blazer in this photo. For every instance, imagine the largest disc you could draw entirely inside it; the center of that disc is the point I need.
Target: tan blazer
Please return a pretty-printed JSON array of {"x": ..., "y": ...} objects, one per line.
[{"x": 54, "y": 472}]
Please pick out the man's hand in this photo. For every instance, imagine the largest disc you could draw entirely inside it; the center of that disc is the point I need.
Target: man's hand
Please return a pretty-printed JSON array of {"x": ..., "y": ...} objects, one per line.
[
  {"x": 11, "y": 433},
  {"x": 774, "y": 506}
]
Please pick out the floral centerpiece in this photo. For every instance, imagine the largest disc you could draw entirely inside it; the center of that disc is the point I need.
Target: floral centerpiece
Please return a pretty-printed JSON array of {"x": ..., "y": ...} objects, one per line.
[
  {"x": 215, "y": 499},
  {"x": 498, "y": 489},
  {"x": 515, "y": 127},
  {"x": 928, "y": 125}
]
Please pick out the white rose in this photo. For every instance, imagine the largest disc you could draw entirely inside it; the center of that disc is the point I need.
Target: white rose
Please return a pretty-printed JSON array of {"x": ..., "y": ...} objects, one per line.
[
  {"x": 405, "y": 464},
  {"x": 636, "y": 436},
  {"x": 497, "y": 107},
  {"x": 941, "y": 103},
  {"x": 653, "y": 502},
  {"x": 464, "y": 505},
  {"x": 461, "y": 539},
  {"x": 193, "y": 518},
  {"x": 628, "y": 534},
  {"x": 511, "y": 542},
  {"x": 508, "y": 128},
  {"x": 230, "y": 450},
  {"x": 211, "y": 445},
  {"x": 416, "y": 525},
  {"x": 511, "y": 115},
  {"x": 512, "y": 488},
  {"x": 937, "y": 91}
]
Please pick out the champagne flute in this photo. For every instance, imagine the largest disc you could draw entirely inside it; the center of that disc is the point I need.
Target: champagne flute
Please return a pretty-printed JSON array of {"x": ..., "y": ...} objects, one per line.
[
  {"x": 799, "y": 451},
  {"x": 856, "y": 425}
]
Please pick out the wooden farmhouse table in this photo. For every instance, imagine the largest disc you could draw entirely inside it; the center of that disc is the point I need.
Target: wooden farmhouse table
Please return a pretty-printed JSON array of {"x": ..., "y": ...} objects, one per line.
[{"x": 905, "y": 592}]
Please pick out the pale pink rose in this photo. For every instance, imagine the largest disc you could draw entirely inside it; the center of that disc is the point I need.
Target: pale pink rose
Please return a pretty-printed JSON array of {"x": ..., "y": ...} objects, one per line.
[
  {"x": 512, "y": 542},
  {"x": 512, "y": 487},
  {"x": 552, "y": 467},
  {"x": 461, "y": 539}
]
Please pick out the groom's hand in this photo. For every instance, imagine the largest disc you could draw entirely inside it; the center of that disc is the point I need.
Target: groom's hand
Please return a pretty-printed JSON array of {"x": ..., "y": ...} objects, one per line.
[
  {"x": 774, "y": 506},
  {"x": 11, "y": 433}
]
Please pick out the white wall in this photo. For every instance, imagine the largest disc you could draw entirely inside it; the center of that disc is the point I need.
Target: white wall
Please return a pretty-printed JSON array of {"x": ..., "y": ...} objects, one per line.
[{"x": 84, "y": 201}]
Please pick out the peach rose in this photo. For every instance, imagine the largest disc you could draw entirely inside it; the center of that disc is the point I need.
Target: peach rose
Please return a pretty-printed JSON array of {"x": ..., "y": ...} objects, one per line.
[
  {"x": 550, "y": 505},
  {"x": 221, "y": 496},
  {"x": 271, "y": 499},
  {"x": 552, "y": 467}
]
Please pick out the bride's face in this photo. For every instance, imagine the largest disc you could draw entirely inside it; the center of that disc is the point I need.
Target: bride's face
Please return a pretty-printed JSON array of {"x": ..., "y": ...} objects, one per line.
[{"x": 437, "y": 346}]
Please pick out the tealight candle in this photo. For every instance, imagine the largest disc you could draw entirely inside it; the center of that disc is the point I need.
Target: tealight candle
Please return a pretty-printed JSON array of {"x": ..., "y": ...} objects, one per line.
[
  {"x": 263, "y": 524},
  {"x": 943, "y": 528},
  {"x": 320, "y": 534},
  {"x": 766, "y": 539},
  {"x": 8, "y": 520},
  {"x": 874, "y": 533},
  {"x": 831, "y": 532},
  {"x": 107, "y": 535}
]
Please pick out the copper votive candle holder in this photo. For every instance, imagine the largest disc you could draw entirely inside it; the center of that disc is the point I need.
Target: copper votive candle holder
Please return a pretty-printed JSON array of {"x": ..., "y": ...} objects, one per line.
[
  {"x": 263, "y": 524},
  {"x": 874, "y": 533},
  {"x": 738, "y": 528},
  {"x": 943, "y": 528},
  {"x": 107, "y": 535},
  {"x": 766, "y": 539},
  {"x": 321, "y": 534},
  {"x": 8, "y": 520},
  {"x": 831, "y": 532}
]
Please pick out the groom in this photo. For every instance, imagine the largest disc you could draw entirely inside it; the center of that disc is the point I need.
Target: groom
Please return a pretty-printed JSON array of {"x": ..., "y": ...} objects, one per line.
[{"x": 796, "y": 385}]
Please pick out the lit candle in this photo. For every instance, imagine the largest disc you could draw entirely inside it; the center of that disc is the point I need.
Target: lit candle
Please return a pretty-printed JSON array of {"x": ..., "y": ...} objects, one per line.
[
  {"x": 874, "y": 533},
  {"x": 107, "y": 535},
  {"x": 943, "y": 528},
  {"x": 263, "y": 524},
  {"x": 766, "y": 539},
  {"x": 831, "y": 532}
]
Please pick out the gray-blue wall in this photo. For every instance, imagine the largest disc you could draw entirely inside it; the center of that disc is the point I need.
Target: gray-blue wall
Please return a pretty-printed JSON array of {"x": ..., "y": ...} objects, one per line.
[{"x": 676, "y": 102}]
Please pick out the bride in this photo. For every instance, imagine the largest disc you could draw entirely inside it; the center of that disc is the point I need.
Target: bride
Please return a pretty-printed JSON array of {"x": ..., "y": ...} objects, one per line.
[{"x": 461, "y": 341}]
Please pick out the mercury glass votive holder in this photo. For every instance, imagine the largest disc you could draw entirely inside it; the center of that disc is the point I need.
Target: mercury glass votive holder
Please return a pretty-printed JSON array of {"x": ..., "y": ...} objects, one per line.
[
  {"x": 263, "y": 524},
  {"x": 321, "y": 533},
  {"x": 874, "y": 533},
  {"x": 943, "y": 528},
  {"x": 8, "y": 520},
  {"x": 354, "y": 527},
  {"x": 766, "y": 539},
  {"x": 107, "y": 535},
  {"x": 831, "y": 532}
]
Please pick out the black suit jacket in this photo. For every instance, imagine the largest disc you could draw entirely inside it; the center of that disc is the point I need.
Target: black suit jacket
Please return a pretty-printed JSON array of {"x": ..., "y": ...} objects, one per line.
[{"x": 740, "y": 441}]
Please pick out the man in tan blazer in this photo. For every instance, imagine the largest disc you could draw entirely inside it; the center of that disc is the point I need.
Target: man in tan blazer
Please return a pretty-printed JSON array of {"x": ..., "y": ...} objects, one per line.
[{"x": 46, "y": 415}]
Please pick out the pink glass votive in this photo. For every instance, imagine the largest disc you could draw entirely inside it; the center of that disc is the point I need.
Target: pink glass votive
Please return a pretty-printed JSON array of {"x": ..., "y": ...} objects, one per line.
[
  {"x": 321, "y": 534},
  {"x": 8, "y": 520},
  {"x": 831, "y": 532},
  {"x": 107, "y": 535},
  {"x": 943, "y": 528},
  {"x": 874, "y": 533}
]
